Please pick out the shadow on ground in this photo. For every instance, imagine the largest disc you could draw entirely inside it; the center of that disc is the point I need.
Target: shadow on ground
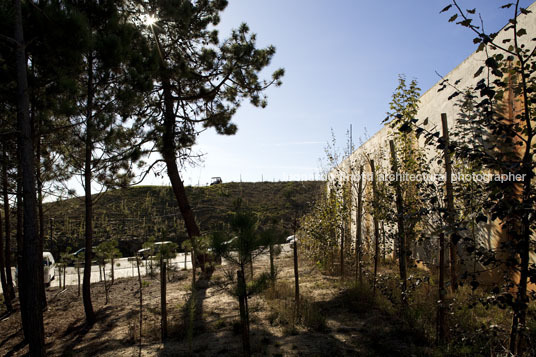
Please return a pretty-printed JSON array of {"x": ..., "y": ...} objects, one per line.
[{"x": 96, "y": 344}]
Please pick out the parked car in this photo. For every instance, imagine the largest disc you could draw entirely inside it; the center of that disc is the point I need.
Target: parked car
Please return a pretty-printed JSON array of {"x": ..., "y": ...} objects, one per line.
[
  {"x": 83, "y": 251},
  {"x": 79, "y": 251},
  {"x": 145, "y": 253},
  {"x": 76, "y": 255},
  {"x": 49, "y": 269},
  {"x": 216, "y": 181},
  {"x": 291, "y": 240}
]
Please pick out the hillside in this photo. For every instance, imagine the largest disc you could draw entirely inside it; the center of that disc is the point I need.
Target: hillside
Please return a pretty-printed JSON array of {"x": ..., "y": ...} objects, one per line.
[{"x": 136, "y": 214}]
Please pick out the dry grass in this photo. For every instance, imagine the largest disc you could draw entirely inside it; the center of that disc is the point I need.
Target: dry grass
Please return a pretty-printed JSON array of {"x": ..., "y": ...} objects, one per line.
[
  {"x": 336, "y": 317},
  {"x": 281, "y": 299}
]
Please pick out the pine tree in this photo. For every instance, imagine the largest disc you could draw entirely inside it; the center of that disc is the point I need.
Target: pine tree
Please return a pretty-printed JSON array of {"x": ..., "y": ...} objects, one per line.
[
  {"x": 29, "y": 278},
  {"x": 201, "y": 82},
  {"x": 106, "y": 140}
]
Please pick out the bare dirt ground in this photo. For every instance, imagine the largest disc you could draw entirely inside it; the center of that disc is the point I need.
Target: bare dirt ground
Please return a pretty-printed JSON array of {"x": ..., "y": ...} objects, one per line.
[{"x": 337, "y": 328}]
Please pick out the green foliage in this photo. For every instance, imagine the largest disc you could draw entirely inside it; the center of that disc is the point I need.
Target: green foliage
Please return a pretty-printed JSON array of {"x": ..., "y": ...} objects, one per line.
[
  {"x": 210, "y": 78},
  {"x": 410, "y": 156},
  {"x": 167, "y": 251},
  {"x": 502, "y": 108},
  {"x": 107, "y": 250},
  {"x": 404, "y": 104},
  {"x": 66, "y": 257},
  {"x": 258, "y": 285},
  {"x": 112, "y": 82},
  {"x": 243, "y": 237},
  {"x": 318, "y": 232}
]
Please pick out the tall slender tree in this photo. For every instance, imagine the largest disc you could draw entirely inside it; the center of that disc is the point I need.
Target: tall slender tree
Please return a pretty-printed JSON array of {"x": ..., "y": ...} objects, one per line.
[
  {"x": 201, "y": 82},
  {"x": 358, "y": 219},
  {"x": 409, "y": 160},
  {"x": 5, "y": 290},
  {"x": 29, "y": 277},
  {"x": 506, "y": 98},
  {"x": 400, "y": 222},
  {"x": 106, "y": 140},
  {"x": 6, "y": 188},
  {"x": 54, "y": 60},
  {"x": 8, "y": 130}
]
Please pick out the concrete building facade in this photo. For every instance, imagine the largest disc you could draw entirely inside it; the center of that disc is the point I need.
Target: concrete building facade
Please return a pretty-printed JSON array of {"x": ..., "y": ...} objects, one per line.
[{"x": 432, "y": 104}]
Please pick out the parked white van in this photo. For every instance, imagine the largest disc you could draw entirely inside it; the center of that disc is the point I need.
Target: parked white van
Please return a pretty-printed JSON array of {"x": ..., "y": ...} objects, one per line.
[{"x": 49, "y": 268}]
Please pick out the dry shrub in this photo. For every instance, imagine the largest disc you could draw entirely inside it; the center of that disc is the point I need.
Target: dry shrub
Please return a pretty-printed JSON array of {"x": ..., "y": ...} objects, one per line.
[
  {"x": 280, "y": 298},
  {"x": 279, "y": 290},
  {"x": 311, "y": 316},
  {"x": 476, "y": 328},
  {"x": 151, "y": 330},
  {"x": 133, "y": 334},
  {"x": 359, "y": 298},
  {"x": 475, "y": 324}
]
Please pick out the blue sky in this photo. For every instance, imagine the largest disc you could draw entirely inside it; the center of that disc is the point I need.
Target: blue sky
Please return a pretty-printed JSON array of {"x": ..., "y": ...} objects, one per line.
[{"x": 342, "y": 59}]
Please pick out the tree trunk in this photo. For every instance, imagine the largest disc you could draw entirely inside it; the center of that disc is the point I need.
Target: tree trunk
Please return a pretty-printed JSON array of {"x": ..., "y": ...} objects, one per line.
[
  {"x": 250, "y": 266},
  {"x": 192, "y": 254},
  {"x": 296, "y": 276},
  {"x": 163, "y": 304},
  {"x": 41, "y": 223},
  {"x": 112, "y": 272},
  {"x": 105, "y": 284},
  {"x": 42, "y": 293},
  {"x": 86, "y": 287},
  {"x": 243, "y": 312},
  {"x": 522, "y": 301},
  {"x": 78, "y": 273},
  {"x": 400, "y": 221},
  {"x": 376, "y": 228},
  {"x": 20, "y": 215},
  {"x": 7, "y": 300},
  {"x": 168, "y": 152},
  {"x": 451, "y": 213},
  {"x": 383, "y": 242},
  {"x": 169, "y": 156},
  {"x": 342, "y": 249},
  {"x": 32, "y": 259},
  {"x": 272, "y": 266},
  {"x": 358, "y": 243},
  {"x": 7, "y": 218},
  {"x": 59, "y": 276},
  {"x": 441, "y": 327},
  {"x": 141, "y": 298}
]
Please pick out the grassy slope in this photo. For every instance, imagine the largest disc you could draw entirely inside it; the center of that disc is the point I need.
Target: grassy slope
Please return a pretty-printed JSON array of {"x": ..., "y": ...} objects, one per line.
[{"x": 135, "y": 214}]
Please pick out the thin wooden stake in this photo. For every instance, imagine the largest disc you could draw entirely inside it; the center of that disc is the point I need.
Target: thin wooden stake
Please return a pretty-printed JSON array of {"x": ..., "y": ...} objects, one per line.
[
  {"x": 401, "y": 231},
  {"x": 450, "y": 202}
]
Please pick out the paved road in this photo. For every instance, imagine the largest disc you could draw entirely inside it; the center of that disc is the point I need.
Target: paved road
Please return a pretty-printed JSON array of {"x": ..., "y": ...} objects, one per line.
[{"x": 126, "y": 267}]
